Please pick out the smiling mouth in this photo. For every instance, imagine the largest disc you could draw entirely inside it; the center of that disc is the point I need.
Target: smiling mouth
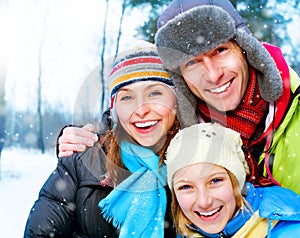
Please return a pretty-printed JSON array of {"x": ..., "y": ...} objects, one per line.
[
  {"x": 145, "y": 125},
  {"x": 208, "y": 214},
  {"x": 221, "y": 89}
]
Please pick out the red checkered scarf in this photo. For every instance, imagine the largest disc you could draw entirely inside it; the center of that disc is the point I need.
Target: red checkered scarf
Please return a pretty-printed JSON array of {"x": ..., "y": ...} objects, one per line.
[{"x": 247, "y": 119}]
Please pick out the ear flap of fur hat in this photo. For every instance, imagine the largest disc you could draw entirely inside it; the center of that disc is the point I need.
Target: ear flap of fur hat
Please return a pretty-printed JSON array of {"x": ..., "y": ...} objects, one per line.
[
  {"x": 186, "y": 102},
  {"x": 269, "y": 79},
  {"x": 203, "y": 28}
]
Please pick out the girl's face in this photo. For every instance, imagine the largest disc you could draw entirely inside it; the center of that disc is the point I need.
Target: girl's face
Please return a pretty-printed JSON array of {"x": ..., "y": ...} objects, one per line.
[
  {"x": 205, "y": 195},
  {"x": 146, "y": 110}
]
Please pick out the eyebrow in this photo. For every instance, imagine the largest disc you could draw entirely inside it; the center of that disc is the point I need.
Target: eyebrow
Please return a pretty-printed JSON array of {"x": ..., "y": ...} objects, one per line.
[
  {"x": 218, "y": 173},
  {"x": 215, "y": 174},
  {"x": 155, "y": 84}
]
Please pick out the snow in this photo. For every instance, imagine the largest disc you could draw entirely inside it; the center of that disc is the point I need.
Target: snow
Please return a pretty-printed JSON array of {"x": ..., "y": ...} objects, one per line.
[
  {"x": 23, "y": 172},
  {"x": 63, "y": 39}
]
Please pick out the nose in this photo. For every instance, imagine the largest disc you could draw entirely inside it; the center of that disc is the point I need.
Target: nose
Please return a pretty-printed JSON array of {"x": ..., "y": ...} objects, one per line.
[
  {"x": 204, "y": 199},
  {"x": 142, "y": 110},
  {"x": 212, "y": 68}
]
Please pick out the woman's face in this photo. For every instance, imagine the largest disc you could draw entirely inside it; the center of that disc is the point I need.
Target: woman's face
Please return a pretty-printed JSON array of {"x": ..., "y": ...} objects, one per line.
[
  {"x": 205, "y": 195},
  {"x": 146, "y": 110}
]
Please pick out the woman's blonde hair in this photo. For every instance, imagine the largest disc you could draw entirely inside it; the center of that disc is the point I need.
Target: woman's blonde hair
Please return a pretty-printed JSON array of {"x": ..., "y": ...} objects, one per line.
[{"x": 180, "y": 220}]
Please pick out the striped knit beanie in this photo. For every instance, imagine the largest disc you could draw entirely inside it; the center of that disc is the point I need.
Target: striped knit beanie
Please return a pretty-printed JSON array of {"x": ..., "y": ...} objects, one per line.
[{"x": 139, "y": 63}]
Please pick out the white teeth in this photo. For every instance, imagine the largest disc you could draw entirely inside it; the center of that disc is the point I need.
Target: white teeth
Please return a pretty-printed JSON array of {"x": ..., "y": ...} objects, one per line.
[
  {"x": 145, "y": 124},
  {"x": 209, "y": 213},
  {"x": 220, "y": 89}
]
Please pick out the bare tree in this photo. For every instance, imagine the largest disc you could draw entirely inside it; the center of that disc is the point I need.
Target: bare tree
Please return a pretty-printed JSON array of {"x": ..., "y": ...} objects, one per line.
[
  {"x": 40, "y": 139},
  {"x": 3, "y": 65},
  {"x": 124, "y": 5},
  {"x": 102, "y": 78}
]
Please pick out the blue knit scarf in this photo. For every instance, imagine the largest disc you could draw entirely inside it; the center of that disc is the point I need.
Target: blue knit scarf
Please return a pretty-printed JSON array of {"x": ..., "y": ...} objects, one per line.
[{"x": 138, "y": 204}]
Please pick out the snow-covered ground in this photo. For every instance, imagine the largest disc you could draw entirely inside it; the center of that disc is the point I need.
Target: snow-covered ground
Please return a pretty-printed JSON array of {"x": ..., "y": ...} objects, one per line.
[{"x": 23, "y": 173}]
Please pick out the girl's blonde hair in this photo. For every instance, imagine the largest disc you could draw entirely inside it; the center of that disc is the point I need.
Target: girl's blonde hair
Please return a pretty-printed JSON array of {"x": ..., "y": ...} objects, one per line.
[{"x": 180, "y": 220}]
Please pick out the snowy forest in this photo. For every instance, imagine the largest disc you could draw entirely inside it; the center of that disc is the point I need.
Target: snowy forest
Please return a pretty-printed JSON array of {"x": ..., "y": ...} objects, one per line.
[{"x": 55, "y": 56}]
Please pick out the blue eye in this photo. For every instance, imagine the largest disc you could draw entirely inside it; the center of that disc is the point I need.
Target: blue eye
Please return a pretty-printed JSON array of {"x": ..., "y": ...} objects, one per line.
[
  {"x": 216, "y": 180},
  {"x": 190, "y": 63},
  {"x": 125, "y": 98},
  {"x": 184, "y": 187},
  {"x": 155, "y": 93}
]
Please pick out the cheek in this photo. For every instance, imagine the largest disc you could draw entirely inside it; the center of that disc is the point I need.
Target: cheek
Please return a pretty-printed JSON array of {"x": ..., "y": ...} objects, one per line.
[
  {"x": 231, "y": 208},
  {"x": 165, "y": 109},
  {"x": 123, "y": 115},
  {"x": 184, "y": 202},
  {"x": 228, "y": 198},
  {"x": 191, "y": 80},
  {"x": 240, "y": 63},
  {"x": 194, "y": 85}
]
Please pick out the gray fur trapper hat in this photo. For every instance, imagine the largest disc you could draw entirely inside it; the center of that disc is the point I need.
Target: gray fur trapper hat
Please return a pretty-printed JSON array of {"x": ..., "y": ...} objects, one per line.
[{"x": 199, "y": 26}]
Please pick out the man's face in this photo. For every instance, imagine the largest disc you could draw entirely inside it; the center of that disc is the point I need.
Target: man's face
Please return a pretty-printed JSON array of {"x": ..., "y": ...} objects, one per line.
[{"x": 219, "y": 76}]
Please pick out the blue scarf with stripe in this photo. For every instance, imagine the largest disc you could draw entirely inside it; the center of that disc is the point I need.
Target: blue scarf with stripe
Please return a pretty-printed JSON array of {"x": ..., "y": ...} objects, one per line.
[{"x": 137, "y": 205}]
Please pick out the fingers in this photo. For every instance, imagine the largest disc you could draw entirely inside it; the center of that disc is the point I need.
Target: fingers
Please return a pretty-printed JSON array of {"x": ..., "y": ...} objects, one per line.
[
  {"x": 79, "y": 135},
  {"x": 76, "y": 139},
  {"x": 65, "y": 154},
  {"x": 64, "y": 147},
  {"x": 69, "y": 149},
  {"x": 89, "y": 127}
]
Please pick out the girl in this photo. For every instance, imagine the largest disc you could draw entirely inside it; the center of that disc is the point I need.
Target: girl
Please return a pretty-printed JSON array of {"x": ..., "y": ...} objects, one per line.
[
  {"x": 121, "y": 193},
  {"x": 206, "y": 172}
]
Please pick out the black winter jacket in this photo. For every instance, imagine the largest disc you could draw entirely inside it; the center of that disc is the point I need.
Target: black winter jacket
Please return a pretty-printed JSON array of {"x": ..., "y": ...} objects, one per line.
[{"x": 68, "y": 201}]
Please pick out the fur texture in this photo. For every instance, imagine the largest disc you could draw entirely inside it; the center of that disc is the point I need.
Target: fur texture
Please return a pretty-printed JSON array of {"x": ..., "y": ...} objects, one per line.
[{"x": 203, "y": 28}]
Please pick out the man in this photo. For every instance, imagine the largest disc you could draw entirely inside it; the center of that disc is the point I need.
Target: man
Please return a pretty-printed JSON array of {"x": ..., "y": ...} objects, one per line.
[{"x": 227, "y": 76}]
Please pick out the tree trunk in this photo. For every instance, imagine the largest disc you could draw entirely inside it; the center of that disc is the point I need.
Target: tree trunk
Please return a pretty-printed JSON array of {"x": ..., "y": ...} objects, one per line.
[
  {"x": 40, "y": 139},
  {"x": 3, "y": 65},
  {"x": 102, "y": 78},
  {"x": 120, "y": 27}
]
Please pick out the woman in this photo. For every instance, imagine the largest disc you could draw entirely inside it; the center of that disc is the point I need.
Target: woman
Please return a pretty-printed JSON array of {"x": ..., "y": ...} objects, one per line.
[
  {"x": 206, "y": 172},
  {"x": 122, "y": 193}
]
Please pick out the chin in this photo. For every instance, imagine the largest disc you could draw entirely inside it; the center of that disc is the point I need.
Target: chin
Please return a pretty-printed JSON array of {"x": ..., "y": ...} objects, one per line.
[
  {"x": 226, "y": 108},
  {"x": 147, "y": 143},
  {"x": 213, "y": 230}
]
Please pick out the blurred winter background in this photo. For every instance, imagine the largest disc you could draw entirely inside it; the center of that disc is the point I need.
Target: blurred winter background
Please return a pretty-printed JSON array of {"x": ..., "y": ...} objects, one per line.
[{"x": 54, "y": 58}]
